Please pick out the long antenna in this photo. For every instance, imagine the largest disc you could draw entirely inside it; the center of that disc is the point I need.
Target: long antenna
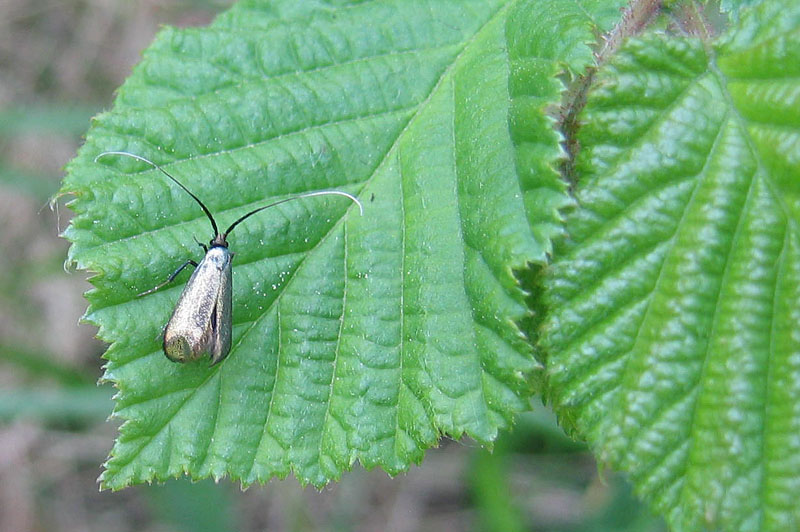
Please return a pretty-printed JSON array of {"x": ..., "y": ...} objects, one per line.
[
  {"x": 154, "y": 165},
  {"x": 299, "y": 196}
]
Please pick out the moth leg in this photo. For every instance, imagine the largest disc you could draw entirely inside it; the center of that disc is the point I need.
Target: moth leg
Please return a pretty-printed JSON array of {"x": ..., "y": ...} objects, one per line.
[
  {"x": 205, "y": 248},
  {"x": 170, "y": 278}
]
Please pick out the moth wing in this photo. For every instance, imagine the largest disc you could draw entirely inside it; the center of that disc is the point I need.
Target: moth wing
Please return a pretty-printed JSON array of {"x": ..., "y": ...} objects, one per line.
[
  {"x": 189, "y": 332},
  {"x": 221, "y": 324}
]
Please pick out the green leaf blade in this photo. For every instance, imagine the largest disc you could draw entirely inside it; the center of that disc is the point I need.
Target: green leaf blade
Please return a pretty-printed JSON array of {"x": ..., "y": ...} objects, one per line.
[
  {"x": 355, "y": 338},
  {"x": 671, "y": 297}
]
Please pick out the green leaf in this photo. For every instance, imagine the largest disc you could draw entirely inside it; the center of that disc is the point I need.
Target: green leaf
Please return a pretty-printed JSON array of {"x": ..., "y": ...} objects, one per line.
[
  {"x": 355, "y": 337},
  {"x": 672, "y": 343}
]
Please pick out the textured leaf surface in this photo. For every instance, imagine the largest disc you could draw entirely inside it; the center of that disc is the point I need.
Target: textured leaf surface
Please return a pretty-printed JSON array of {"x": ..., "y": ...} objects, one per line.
[
  {"x": 674, "y": 344},
  {"x": 355, "y": 337}
]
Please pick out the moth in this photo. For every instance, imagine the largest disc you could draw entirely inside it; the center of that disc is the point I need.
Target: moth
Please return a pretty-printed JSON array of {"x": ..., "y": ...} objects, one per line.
[{"x": 201, "y": 322}]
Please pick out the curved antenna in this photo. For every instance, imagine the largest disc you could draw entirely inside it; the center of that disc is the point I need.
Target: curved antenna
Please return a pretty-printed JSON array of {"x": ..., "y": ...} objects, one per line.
[
  {"x": 154, "y": 165},
  {"x": 299, "y": 196}
]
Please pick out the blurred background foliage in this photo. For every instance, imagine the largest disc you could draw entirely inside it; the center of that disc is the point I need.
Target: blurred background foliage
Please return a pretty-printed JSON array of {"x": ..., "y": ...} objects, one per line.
[{"x": 60, "y": 61}]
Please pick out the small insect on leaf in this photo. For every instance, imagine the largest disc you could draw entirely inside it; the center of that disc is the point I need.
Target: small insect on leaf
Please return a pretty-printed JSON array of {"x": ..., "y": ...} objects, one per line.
[{"x": 201, "y": 323}]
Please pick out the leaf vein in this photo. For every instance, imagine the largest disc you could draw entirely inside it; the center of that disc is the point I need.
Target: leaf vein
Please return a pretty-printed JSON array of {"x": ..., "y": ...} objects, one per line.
[
  {"x": 183, "y": 97},
  {"x": 337, "y": 349},
  {"x": 624, "y": 414}
]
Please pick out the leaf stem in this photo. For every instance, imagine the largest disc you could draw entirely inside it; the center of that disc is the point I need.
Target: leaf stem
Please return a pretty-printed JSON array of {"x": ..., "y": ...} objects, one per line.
[{"x": 635, "y": 19}]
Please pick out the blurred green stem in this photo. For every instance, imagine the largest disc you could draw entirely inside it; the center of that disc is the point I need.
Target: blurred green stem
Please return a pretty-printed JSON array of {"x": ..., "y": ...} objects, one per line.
[
  {"x": 79, "y": 404},
  {"x": 43, "y": 366}
]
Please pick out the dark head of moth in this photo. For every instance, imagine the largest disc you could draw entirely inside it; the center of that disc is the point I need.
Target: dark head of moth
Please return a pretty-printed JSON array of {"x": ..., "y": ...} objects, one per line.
[{"x": 202, "y": 320}]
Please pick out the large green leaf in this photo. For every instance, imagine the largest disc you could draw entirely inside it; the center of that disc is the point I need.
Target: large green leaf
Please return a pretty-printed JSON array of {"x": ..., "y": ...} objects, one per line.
[
  {"x": 355, "y": 337},
  {"x": 673, "y": 342}
]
